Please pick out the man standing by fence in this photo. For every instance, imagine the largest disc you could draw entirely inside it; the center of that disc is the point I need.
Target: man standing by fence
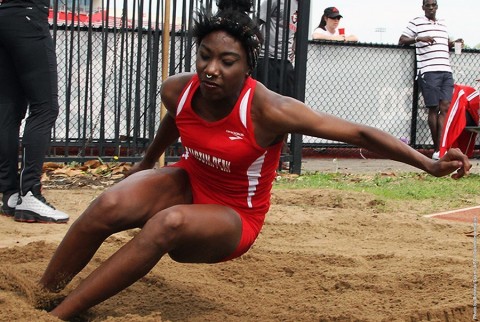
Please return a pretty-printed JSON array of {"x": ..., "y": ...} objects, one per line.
[
  {"x": 434, "y": 72},
  {"x": 28, "y": 78}
]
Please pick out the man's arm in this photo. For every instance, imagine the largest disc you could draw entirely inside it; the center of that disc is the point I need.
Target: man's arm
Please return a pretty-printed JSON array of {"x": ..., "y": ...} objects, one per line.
[{"x": 406, "y": 40}]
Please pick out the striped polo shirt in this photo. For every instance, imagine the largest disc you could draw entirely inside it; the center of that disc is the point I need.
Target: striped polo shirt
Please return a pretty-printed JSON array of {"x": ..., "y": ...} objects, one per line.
[{"x": 434, "y": 57}]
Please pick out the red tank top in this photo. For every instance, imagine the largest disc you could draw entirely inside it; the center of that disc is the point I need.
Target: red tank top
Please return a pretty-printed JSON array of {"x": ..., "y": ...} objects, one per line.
[{"x": 225, "y": 164}]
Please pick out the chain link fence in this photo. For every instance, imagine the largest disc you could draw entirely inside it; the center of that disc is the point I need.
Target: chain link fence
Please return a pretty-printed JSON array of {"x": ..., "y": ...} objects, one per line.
[
  {"x": 110, "y": 75},
  {"x": 374, "y": 85},
  {"x": 108, "y": 91}
]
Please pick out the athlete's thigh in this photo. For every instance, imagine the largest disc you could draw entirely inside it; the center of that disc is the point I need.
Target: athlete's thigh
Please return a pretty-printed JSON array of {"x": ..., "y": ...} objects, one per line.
[
  {"x": 137, "y": 198},
  {"x": 209, "y": 233}
]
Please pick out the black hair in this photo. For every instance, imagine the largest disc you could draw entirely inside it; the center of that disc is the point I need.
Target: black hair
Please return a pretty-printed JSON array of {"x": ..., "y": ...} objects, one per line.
[
  {"x": 323, "y": 23},
  {"x": 232, "y": 17},
  {"x": 240, "y": 5}
]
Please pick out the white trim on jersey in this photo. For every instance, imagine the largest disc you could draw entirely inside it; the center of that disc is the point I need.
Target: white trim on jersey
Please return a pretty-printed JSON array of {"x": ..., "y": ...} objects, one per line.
[
  {"x": 254, "y": 172},
  {"x": 244, "y": 107},
  {"x": 183, "y": 99},
  {"x": 453, "y": 113},
  {"x": 472, "y": 95}
]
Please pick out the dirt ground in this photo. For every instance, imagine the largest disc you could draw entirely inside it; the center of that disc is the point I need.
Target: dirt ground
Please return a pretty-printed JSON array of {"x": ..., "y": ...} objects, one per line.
[{"x": 323, "y": 255}]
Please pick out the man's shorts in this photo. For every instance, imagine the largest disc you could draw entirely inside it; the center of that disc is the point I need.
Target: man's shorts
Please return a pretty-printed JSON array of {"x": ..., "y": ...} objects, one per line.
[{"x": 436, "y": 87}]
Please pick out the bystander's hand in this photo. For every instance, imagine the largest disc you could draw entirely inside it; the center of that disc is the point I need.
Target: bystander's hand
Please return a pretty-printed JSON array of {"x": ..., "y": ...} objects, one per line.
[{"x": 427, "y": 39}]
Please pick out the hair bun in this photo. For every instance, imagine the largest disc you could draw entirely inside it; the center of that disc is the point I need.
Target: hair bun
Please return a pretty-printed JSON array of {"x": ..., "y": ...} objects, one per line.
[{"x": 240, "y": 5}]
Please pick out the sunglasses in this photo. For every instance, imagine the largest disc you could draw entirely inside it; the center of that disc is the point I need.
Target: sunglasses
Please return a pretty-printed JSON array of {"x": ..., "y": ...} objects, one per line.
[{"x": 335, "y": 18}]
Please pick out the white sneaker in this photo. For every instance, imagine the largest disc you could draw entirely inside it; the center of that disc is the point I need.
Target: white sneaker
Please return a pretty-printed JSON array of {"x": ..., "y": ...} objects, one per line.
[
  {"x": 436, "y": 155},
  {"x": 33, "y": 207}
]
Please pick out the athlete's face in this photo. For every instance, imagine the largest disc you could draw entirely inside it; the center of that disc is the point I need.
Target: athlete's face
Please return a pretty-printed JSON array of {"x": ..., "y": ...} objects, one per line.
[{"x": 221, "y": 66}]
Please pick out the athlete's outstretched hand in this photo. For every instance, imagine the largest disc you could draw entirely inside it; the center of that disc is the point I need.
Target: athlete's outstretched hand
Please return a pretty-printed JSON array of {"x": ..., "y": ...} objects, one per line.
[{"x": 455, "y": 162}]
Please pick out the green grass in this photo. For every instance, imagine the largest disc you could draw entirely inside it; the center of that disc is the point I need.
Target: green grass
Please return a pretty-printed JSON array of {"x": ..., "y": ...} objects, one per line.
[{"x": 400, "y": 186}]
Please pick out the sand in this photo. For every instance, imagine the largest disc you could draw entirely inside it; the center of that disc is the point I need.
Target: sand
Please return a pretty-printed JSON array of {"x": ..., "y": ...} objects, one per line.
[{"x": 323, "y": 255}]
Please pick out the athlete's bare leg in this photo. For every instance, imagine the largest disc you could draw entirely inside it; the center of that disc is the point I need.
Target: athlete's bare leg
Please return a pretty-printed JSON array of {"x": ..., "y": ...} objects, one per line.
[
  {"x": 126, "y": 205},
  {"x": 189, "y": 233}
]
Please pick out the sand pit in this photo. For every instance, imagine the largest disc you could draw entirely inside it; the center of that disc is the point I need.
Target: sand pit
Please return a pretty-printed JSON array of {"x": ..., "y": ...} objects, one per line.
[{"x": 323, "y": 255}]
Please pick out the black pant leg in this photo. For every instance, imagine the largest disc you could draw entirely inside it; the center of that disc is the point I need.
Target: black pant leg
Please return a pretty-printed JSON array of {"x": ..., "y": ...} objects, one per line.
[
  {"x": 13, "y": 105},
  {"x": 277, "y": 75},
  {"x": 34, "y": 60}
]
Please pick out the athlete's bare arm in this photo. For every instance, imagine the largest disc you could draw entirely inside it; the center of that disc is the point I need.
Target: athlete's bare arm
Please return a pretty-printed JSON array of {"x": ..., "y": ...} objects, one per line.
[{"x": 275, "y": 115}]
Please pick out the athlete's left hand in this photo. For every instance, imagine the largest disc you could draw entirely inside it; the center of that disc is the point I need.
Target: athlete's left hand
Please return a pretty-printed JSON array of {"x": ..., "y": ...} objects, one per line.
[{"x": 455, "y": 162}]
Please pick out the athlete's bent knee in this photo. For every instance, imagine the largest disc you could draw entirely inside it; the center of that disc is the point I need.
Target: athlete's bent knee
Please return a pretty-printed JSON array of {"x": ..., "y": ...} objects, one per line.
[
  {"x": 167, "y": 227},
  {"x": 103, "y": 211}
]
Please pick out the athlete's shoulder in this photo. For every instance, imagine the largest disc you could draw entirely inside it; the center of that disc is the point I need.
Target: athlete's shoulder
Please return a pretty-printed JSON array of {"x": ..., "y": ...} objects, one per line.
[
  {"x": 263, "y": 95},
  {"x": 176, "y": 83},
  {"x": 172, "y": 88},
  {"x": 266, "y": 101}
]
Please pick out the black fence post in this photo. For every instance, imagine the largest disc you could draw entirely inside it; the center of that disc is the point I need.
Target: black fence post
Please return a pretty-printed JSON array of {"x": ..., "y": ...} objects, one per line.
[
  {"x": 301, "y": 49},
  {"x": 413, "y": 129}
]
